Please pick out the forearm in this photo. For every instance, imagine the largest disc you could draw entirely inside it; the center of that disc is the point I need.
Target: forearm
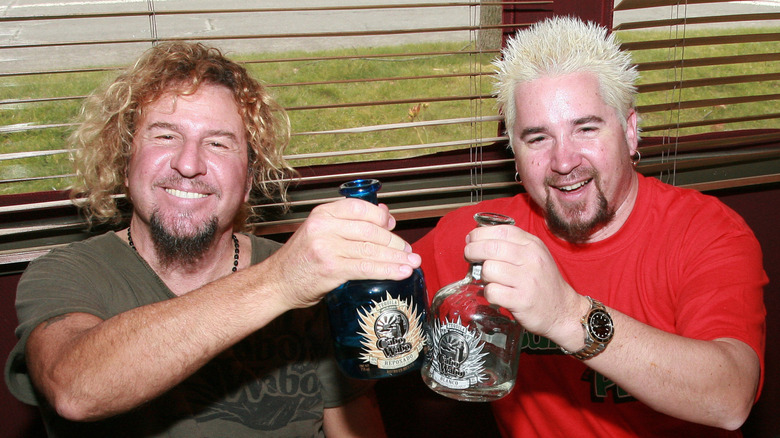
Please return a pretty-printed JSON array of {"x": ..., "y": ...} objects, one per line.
[
  {"x": 91, "y": 369},
  {"x": 706, "y": 382}
]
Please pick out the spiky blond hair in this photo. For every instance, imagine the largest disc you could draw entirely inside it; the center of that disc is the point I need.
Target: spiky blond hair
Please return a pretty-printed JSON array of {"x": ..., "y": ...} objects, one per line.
[{"x": 559, "y": 46}]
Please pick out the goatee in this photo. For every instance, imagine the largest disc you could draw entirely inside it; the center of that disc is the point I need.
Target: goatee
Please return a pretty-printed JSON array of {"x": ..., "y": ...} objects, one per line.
[
  {"x": 173, "y": 249},
  {"x": 576, "y": 230}
]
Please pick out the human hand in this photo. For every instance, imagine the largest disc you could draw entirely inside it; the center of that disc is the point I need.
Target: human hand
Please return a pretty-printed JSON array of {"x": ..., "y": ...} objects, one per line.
[
  {"x": 349, "y": 239},
  {"x": 522, "y": 276}
]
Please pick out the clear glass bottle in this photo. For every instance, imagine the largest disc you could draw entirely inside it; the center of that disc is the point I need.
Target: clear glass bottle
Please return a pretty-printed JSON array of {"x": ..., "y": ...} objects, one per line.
[
  {"x": 378, "y": 326},
  {"x": 474, "y": 346}
]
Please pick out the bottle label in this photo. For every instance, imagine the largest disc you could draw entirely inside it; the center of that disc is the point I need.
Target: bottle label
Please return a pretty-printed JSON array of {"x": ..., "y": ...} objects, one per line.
[
  {"x": 392, "y": 333},
  {"x": 457, "y": 360}
]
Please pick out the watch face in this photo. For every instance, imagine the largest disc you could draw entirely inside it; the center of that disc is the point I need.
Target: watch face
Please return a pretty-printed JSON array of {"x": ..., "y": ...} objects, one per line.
[{"x": 600, "y": 326}]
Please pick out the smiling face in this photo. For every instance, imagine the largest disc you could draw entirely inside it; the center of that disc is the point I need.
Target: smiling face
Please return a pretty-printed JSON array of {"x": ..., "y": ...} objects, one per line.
[
  {"x": 189, "y": 163},
  {"x": 573, "y": 156}
]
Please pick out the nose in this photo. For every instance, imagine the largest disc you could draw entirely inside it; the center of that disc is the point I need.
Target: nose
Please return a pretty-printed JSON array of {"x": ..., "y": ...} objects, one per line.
[
  {"x": 564, "y": 156},
  {"x": 188, "y": 160}
]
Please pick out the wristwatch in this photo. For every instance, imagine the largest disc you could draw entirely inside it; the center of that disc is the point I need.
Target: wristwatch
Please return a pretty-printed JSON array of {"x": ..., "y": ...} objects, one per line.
[{"x": 598, "y": 331}]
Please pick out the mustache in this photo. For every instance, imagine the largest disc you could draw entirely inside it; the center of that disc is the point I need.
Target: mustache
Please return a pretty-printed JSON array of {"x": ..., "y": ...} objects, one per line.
[
  {"x": 577, "y": 174},
  {"x": 196, "y": 185}
]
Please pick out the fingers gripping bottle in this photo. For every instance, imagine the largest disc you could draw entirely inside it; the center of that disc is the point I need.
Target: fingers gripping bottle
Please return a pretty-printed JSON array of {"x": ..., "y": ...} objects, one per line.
[
  {"x": 377, "y": 325},
  {"x": 474, "y": 346}
]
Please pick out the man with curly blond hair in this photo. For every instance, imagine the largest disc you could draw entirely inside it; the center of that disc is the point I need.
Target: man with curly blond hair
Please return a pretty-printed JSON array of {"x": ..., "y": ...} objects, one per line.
[{"x": 180, "y": 324}]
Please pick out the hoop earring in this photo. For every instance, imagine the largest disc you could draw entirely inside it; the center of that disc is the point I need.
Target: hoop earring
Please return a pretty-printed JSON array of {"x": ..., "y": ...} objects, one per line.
[
  {"x": 517, "y": 178},
  {"x": 636, "y": 157}
]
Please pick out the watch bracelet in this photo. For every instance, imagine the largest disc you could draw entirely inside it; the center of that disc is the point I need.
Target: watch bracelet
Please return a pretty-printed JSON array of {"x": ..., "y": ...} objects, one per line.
[{"x": 594, "y": 348}]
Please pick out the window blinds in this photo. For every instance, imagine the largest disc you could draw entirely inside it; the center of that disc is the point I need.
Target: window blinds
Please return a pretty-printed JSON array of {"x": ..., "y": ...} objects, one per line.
[{"x": 399, "y": 92}]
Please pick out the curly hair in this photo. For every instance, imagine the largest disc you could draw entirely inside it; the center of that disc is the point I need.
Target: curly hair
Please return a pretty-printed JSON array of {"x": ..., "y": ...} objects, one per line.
[
  {"x": 564, "y": 45},
  {"x": 103, "y": 141}
]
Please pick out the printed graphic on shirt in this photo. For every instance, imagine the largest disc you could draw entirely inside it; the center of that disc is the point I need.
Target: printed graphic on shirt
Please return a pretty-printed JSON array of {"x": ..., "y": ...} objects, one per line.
[
  {"x": 392, "y": 333},
  {"x": 535, "y": 344},
  {"x": 600, "y": 387},
  {"x": 457, "y": 357},
  {"x": 264, "y": 383}
]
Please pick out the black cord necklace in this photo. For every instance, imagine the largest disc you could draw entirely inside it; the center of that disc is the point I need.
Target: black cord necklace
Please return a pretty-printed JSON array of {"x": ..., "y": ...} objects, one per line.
[{"x": 235, "y": 244}]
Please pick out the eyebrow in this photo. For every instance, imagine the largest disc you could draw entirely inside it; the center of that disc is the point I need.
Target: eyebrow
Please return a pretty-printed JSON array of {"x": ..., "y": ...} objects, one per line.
[
  {"x": 588, "y": 119},
  {"x": 531, "y": 131},
  {"x": 162, "y": 125},
  {"x": 577, "y": 122},
  {"x": 174, "y": 127}
]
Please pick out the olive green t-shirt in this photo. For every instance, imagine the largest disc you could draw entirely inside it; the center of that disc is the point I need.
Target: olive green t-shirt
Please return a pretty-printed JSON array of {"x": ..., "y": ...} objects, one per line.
[{"x": 276, "y": 382}]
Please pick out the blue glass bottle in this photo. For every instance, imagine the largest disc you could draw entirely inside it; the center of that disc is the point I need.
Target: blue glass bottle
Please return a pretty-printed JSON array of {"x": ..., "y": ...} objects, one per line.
[{"x": 377, "y": 325}]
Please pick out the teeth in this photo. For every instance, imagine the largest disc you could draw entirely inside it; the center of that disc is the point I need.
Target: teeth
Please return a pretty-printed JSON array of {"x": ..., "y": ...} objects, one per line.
[
  {"x": 186, "y": 195},
  {"x": 572, "y": 187}
]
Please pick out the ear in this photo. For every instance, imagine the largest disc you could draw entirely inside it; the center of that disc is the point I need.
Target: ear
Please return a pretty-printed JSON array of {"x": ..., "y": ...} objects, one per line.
[{"x": 632, "y": 131}]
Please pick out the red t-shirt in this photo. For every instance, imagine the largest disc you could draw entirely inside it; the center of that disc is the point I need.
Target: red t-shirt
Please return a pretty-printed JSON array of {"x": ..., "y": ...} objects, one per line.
[{"x": 683, "y": 262}]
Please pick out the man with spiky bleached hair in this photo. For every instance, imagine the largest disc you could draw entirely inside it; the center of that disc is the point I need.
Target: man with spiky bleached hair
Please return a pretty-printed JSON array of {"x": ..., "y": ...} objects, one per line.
[{"x": 642, "y": 301}]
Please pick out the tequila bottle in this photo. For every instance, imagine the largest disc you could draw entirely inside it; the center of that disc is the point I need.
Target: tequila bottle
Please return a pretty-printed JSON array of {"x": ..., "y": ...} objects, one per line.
[
  {"x": 377, "y": 325},
  {"x": 474, "y": 346}
]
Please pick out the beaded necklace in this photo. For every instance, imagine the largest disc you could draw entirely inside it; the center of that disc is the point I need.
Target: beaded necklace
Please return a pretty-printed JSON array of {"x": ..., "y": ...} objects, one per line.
[{"x": 235, "y": 244}]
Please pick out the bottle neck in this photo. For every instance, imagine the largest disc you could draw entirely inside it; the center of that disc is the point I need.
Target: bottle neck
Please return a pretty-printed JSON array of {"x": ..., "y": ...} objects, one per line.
[
  {"x": 365, "y": 189},
  {"x": 476, "y": 272}
]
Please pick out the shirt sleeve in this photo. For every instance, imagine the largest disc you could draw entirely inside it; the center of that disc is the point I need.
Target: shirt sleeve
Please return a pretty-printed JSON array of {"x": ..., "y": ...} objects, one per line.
[
  {"x": 51, "y": 286},
  {"x": 98, "y": 276},
  {"x": 722, "y": 280}
]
